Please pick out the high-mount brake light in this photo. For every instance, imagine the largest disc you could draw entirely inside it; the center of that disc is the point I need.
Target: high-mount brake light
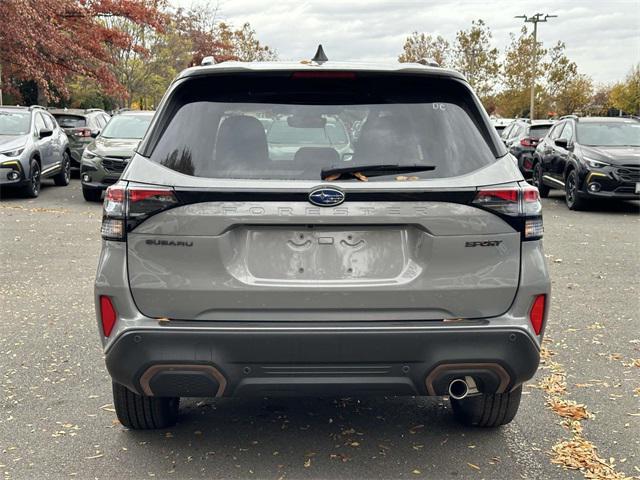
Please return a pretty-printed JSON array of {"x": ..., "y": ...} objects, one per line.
[
  {"x": 516, "y": 202},
  {"x": 125, "y": 208},
  {"x": 324, "y": 75}
]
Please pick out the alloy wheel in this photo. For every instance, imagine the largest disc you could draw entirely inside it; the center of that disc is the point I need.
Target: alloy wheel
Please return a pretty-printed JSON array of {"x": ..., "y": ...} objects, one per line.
[
  {"x": 35, "y": 179},
  {"x": 66, "y": 167},
  {"x": 571, "y": 188},
  {"x": 537, "y": 175}
]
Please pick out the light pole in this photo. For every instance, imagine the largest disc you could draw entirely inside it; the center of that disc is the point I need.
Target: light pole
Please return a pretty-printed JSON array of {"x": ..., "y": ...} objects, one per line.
[{"x": 535, "y": 19}]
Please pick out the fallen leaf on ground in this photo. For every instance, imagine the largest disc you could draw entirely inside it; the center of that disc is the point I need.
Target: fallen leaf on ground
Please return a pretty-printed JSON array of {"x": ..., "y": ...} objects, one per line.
[
  {"x": 554, "y": 384},
  {"x": 580, "y": 454},
  {"x": 569, "y": 409}
]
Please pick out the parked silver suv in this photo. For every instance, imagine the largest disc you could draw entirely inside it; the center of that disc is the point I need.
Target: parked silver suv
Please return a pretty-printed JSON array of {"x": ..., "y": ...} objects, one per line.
[
  {"x": 411, "y": 266},
  {"x": 32, "y": 147}
]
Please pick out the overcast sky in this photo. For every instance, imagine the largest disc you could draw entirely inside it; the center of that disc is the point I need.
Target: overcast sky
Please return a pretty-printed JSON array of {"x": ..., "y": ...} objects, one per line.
[{"x": 602, "y": 36}]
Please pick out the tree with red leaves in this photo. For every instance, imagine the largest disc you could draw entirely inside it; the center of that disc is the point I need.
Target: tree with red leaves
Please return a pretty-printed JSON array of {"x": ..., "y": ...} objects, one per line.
[{"x": 48, "y": 41}]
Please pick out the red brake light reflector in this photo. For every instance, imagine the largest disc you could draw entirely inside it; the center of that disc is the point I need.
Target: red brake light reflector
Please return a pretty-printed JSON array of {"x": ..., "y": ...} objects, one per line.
[
  {"x": 536, "y": 315},
  {"x": 107, "y": 315}
]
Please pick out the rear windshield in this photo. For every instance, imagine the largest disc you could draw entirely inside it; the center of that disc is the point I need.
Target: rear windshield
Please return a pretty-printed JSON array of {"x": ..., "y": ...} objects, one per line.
[
  {"x": 283, "y": 127},
  {"x": 127, "y": 126},
  {"x": 609, "y": 134},
  {"x": 539, "y": 131},
  {"x": 70, "y": 121},
  {"x": 14, "y": 123}
]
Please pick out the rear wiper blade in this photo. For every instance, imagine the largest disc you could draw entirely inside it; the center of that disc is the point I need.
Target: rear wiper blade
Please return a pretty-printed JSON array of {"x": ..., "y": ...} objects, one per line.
[{"x": 375, "y": 170}]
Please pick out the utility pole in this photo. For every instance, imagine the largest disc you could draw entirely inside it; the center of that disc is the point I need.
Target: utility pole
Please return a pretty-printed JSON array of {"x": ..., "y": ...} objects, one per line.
[{"x": 535, "y": 19}]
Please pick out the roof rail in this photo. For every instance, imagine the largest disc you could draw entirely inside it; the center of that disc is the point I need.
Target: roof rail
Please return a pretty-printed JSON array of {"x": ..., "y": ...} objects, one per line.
[
  {"x": 574, "y": 116},
  {"x": 87, "y": 110},
  {"x": 36, "y": 107}
]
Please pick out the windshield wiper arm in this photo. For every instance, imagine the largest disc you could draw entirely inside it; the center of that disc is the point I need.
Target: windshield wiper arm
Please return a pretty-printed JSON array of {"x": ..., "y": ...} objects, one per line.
[{"x": 376, "y": 170}]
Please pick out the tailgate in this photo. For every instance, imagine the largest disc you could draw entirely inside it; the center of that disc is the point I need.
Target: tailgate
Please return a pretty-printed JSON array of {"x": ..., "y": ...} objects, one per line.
[{"x": 292, "y": 261}]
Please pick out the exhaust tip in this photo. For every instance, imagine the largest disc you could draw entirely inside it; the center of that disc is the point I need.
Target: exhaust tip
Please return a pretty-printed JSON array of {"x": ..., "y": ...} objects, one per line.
[{"x": 458, "y": 389}]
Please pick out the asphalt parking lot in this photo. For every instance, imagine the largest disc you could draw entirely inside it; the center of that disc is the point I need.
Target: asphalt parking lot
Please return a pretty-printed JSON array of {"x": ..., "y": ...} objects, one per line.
[{"x": 57, "y": 419}]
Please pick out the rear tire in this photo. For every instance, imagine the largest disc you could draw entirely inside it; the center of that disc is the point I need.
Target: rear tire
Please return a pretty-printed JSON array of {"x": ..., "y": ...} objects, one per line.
[
  {"x": 537, "y": 180},
  {"x": 63, "y": 178},
  {"x": 91, "y": 194},
  {"x": 572, "y": 194},
  {"x": 487, "y": 410},
  {"x": 32, "y": 188},
  {"x": 139, "y": 412}
]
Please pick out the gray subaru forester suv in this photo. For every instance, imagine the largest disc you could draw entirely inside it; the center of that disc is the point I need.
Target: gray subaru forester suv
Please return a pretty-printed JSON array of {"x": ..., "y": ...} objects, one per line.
[{"x": 412, "y": 266}]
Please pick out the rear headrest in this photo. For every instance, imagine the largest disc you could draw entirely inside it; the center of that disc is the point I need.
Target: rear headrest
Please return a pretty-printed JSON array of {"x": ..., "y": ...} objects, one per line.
[
  {"x": 241, "y": 143},
  {"x": 320, "y": 157},
  {"x": 385, "y": 139}
]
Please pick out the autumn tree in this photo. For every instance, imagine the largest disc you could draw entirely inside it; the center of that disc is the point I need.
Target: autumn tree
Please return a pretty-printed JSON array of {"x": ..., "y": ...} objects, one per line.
[
  {"x": 625, "y": 96},
  {"x": 48, "y": 41},
  {"x": 516, "y": 71},
  {"x": 242, "y": 44},
  {"x": 475, "y": 57},
  {"x": 152, "y": 59},
  {"x": 420, "y": 46},
  {"x": 209, "y": 37},
  {"x": 567, "y": 90}
]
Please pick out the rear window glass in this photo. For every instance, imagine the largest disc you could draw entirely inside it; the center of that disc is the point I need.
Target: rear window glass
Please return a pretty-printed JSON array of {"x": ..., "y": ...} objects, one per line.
[
  {"x": 71, "y": 121},
  {"x": 127, "y": 126},
  {"x": 539, "y": 131},
  {"x": 280, "y": 127}
]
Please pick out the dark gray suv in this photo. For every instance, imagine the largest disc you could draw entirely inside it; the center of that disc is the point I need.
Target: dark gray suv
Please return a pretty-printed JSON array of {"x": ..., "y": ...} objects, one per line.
[
  {"x": 81, "y": 127},
  {"x": 521, "y": 138},
  {"x": 412, "y": 266}
]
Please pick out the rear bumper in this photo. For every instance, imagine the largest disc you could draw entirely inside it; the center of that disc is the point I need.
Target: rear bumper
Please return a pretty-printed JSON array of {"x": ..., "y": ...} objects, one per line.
[
  {"x": 415, "y": 358},
  {"x": 403, "y": 357}
]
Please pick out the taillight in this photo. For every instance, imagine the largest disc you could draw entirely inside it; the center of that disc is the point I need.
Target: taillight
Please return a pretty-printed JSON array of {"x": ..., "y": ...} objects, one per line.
[
  {"x": 125, "y": 208},
  {"x": 520, "y": 206},
  {"x": 107, "y": 315},
  {"x": 536, "y": 314},
  {"x": 82, "y": 132},
  {"x": 529, "y": 142},
  {"x": 113, "y": 213}
]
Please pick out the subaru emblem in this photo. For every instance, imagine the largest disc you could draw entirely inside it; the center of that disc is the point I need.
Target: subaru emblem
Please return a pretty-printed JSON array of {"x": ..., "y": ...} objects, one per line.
[{"x": 326, "y": 197}]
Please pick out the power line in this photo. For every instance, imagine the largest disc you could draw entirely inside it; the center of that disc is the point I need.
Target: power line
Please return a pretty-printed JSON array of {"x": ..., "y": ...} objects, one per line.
[{"x": 535, "y": 19}]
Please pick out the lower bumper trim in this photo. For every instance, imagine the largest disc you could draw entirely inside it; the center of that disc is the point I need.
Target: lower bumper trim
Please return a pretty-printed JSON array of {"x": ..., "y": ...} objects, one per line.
[{"x": 213, "y": 362}]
